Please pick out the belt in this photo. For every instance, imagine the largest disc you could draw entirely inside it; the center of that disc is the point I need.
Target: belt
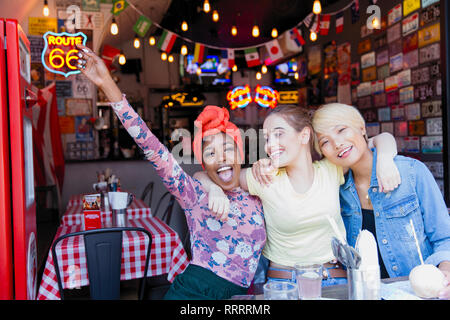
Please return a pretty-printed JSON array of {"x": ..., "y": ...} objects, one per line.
[{"x": 333, "y": 270}]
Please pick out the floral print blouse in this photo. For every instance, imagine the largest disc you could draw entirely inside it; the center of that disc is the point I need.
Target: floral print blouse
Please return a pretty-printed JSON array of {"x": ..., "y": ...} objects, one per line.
[{"x": 230, "y": 249}]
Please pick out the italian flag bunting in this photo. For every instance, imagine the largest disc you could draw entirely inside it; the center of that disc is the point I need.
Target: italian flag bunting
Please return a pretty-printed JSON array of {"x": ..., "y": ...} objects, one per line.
[
  {"x": 199, "y": 53},
  {"x": 252, "y": 57},
  {"x": 339, "y": 22},
  {"x": 166, "y": 41}
]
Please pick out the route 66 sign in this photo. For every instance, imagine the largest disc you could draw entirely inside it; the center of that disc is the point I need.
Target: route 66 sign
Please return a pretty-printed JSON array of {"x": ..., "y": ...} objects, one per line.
[{"x": 60, "y": 53}]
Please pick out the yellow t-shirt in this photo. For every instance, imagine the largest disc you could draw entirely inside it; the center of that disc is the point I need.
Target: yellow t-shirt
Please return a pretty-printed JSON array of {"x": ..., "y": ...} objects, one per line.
[{"x": 297, "y": 228}]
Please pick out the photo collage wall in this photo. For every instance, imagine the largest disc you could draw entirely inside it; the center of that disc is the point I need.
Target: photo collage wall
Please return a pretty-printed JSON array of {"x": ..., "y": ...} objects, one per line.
[{"x": 394, "y": 79}]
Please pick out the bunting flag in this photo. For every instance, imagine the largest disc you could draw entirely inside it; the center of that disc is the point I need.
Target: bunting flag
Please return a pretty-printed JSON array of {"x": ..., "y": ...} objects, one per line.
[
  {"x": 252, "y": 57},
  {"x": 118, "y": 6},
  {"x": 355, "y": 11},
  {"x": 339, "y": 22},
  {"x": 166, "y": 41},
  {"x": 325, "y": 24},
  {"x": 308, "y": 20},
  {"x": 274, "y": 50},
  {"x": 228, "y": 58},
  {"x": 316, "y": 26},
  {"x": 199, "y": 53},
  {"x": 296, "y": 36},
  {"x": 142, "y": 25}
]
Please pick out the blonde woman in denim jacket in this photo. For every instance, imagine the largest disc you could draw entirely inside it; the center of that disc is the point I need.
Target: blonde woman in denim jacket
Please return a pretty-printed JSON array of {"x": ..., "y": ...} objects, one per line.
[{"x": 342, "y": 139}]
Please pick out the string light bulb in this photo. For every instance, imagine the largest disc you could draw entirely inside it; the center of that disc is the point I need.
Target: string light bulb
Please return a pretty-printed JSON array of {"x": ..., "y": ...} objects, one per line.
[
  {"x": 163, "y": 56},
  {"x": 170, "y": 58},
  {"x": 258, "y": 76},
  {"x": 198, "y": 71},
  {"x": 184, "y": 50},
  {"x": 317, "y": 7},
  {"x": 233, "y": 31},
  {"x": 184, "y": 26},
  {"x": 45, "y": 9},
  {"x": 206, "y": 6},
  {"x": 114, "y": 29},
  {"x": 296, "y": 76},
  {"x": 215, "y": 16},
  {"x": 376, "y": 23},
  {"x": 264, "y": 69},
  {"x": 313, "y": 36},
  {"x": 136, "y": 42},
  {"x": 274, "y": 33},
  {"x": 151, "y": 41},
  {"x": 122, "y": 59},
  {"x": 234, "y": 68},
  {"x": 255, "y": 31}
]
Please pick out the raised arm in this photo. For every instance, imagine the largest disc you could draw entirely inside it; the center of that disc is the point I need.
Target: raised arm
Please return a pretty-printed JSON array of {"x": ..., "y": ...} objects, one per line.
[
  {"x": 388, "y": 175},
  {"x": 177, "y": 182}
]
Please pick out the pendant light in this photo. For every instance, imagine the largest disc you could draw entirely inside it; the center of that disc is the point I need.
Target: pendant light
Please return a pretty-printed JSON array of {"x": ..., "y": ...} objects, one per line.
[
  {"x": 163, "y": 56},
  {"x": 136, "y": 42},
  {"x": 264, "y": 69},
  {"x": 184, "y": 26},
  {"x": 274, "y": 33},
  {"x": 170, "y": 58},
  {"x": 184, "y": 50},
  {"x": 206, "y": 6},
  {"x": 317, "y": 7},
  {"x": 255, "y": 31},
  {"x": 114, "y": 29},
  {"x": 215, "y": 16},
  {"x": 151, "y": 41},
  {"x": 122, "y": 59},
  {"x": 45, "y": 9}
]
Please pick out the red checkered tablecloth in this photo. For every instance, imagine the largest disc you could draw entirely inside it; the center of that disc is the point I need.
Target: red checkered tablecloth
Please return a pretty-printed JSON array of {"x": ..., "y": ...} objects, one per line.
[
  {"x": 167, "y": 256},
  {"x": 74, "y": 213}
]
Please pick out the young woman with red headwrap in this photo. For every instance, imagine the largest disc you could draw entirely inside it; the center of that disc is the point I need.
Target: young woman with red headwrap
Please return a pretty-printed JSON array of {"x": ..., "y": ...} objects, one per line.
[{"x": 225, "y": 255}]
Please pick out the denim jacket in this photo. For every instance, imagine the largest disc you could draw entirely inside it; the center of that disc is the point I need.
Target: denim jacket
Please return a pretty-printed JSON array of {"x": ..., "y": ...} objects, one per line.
[{"x": 418, "y": 198}]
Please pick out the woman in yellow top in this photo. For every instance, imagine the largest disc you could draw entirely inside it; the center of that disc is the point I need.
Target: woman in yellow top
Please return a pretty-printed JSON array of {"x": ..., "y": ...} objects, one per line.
[{"x": 301, "y": 204}]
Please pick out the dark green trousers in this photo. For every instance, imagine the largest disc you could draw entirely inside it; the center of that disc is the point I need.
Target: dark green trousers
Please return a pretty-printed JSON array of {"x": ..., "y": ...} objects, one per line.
[{"x": 197, "y": 283}]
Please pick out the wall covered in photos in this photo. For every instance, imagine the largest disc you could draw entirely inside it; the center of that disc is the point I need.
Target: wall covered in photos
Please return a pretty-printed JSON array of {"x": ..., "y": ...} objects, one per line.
[{"x": 392, "y": 74}]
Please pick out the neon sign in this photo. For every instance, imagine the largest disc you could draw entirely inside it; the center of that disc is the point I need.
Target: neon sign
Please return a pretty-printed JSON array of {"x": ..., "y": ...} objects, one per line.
[
  {"x": 266, "y": 97},
  {"x": 60, "y": 53},
  {"x": 239, "y": 97}
]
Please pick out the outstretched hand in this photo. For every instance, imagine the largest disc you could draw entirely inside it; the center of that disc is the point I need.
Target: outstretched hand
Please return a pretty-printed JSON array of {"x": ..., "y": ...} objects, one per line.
[{"x": 92, "y": 66}]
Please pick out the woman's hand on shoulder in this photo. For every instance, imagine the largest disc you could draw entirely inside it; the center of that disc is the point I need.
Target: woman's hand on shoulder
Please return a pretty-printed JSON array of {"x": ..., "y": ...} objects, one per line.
[
  {"x": 263, "y": 171},
  {"x": 218, "y": 203},
  {"x": 388, "y": 175}
]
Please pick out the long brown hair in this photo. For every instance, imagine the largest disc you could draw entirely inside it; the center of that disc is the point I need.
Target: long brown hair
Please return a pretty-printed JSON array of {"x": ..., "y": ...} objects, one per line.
[{"x": 298, "y": 118}]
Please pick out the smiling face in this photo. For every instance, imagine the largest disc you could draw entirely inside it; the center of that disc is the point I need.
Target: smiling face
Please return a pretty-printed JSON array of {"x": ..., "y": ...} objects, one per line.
[
  {"x": 343, "y": 145},
  {"x": 221, "y": 160},
  {"x": 284, "y": 143}
]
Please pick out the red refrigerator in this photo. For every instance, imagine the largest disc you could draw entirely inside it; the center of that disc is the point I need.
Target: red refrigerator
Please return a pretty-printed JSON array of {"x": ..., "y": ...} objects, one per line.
[{"x": 18, "y": 248}]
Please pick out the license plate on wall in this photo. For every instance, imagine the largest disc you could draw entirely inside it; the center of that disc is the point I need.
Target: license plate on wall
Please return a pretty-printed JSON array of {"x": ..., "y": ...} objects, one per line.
[
  {"x": 432, "y": 109},
  {"x": 430, "y": 53},
  {"x": 432, "y": 144}
]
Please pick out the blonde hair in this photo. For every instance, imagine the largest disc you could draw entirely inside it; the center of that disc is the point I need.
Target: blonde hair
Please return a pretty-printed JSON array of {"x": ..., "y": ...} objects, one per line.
[{"x": 333, "y": 114}]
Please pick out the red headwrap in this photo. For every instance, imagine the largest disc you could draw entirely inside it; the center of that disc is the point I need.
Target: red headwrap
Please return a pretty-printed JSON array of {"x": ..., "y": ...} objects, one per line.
[{"x": 213, "y": 120}]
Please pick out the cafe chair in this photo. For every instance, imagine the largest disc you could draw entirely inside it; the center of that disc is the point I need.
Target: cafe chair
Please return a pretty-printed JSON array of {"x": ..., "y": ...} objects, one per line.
[
  {"x": 148, "y": 191},
  {"x": 103, "y": 257},
  {"x": 165, "y": 214}
]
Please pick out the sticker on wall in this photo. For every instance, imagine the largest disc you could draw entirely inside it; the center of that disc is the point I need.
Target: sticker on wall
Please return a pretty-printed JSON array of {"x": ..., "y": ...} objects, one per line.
[
  {"x": 412, "y": 111},
  {"x": 406, "y": 95},
  {"x": 396, "y": 62},
  {"x": 401, "y": 128},
  {"x": 411, "y": 144},
  {"x": 392, "y": 98},
  {"x": 417, "y": 128},
  {"x": 382, "y": 57},
  {"x": 424, "y": 91},
  {"x": 394, "y": 33},
  {"x": 387, "y": 127},
  {"x": 391, "y": 83},
  {"x": 398, "y": 112},
  {"x": 429, "y": 35},
  {"x": 426, "y": 3},
  {"x": 410, "y": 24},
  {"x": 434, "y": 126},
  {"x": 420, "y": 75},
  {"x": 432, "y": 109},
  {"x": 372, "y": 129},
  {"x": 410, "y": 43},
  {"x": 377, "y": 87},
  {"x": 410, "y": 6},
  {"x": 430, "y": 14},
  {"x": 430, "y": 53},
  {"x": 368, "y": 60},
  {"x": 364, "y": 89},
  {"x": 383, "y": 72},
  {"x": 364, "y": 46},
  {"x": 432, "y": 144},
  {"x": 404, "y": 78},
  {"x": 379, "y": 100},
  {"x": 395, "y": 14},
  {"x": 384, "y": 114},
  {"x": 411, "y": 59},
  {"x": 369, "y": 74}
]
